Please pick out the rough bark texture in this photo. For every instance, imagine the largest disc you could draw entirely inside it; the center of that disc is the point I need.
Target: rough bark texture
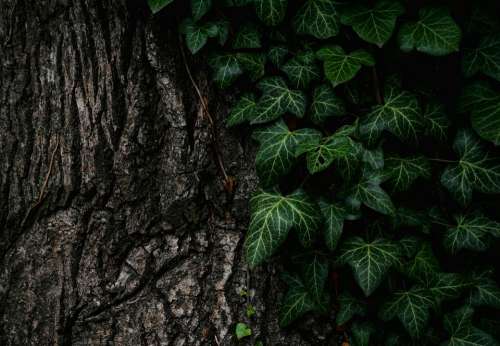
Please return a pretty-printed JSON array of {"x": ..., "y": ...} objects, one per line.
[{"x": 115, "y": 227}]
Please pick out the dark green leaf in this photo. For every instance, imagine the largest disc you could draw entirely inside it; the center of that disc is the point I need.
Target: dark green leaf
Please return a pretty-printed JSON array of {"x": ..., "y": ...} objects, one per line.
[
  {"x": 361, "y": 333},
  {"x": 474, "y": 171},
  {"x": 271, "y": 12},
  {"x": 374, "y": 25},
  {"x": 341, "y": 67},
  {"x": 276, "y": 154},
  {"x": 348, "y": 308},
  {"x": 301, "y": 71},
  {"x": 483, "y": 103},
  {"x": 296, "y": 302},
  {"x": 277, "y": 55},
  {"x": 436, "y": 33},
  {"x": 253, "y": 64},
  {"x": 485, "y": 58},
  {"x": 401, "y": 172},
  {"x": 334, "y": 216},
  {"x": 158, "y": 5},
  {"x": 325, "y": 104},
  {"x": 374, "y": 158},
  {"x": 318, "y": 18},
  {"x": 369, "y": 261},
  {"x": 435, "y": 121},
  {"x": 199, "y": 8},
  {"x": 424, "y": 266},
  {"x": 226, "y": 69},
  {"x": 247, "y": 37},
  {"x": 471, "y": 232},
  {"x": 316, "y": 273},
  {"x": 369, "y": 192},
  {"x": 244, "y": 110}
]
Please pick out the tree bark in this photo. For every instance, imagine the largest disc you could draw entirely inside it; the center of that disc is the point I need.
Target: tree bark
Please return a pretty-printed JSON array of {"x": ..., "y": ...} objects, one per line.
[{"x": 116, "y": 227}]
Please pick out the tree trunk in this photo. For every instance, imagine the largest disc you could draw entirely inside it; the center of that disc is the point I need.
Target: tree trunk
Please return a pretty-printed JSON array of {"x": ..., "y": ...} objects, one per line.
[{"x": 116, "y": 227}]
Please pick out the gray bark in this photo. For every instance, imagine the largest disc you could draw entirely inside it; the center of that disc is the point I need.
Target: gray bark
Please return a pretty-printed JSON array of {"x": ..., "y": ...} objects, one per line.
[{"x": 115, "y": 226}]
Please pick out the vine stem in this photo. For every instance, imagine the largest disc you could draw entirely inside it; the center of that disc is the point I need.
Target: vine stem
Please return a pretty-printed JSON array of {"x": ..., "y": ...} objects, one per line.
[
  {"x": 228, "y": 181},
  {"x": 442, "y": 160}
]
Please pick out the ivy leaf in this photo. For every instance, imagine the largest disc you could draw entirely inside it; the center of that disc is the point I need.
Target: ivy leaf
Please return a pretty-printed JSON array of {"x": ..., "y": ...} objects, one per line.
[
  {"x": 278, "y": 99},
  {"x": 322, "y": 153},
  {"x": 411, "y": 308},
  {"x": 242, "y": 331},
  {"x": 277, "y": 148},
  {"x": 459, "y": 326},
  {"x": 435, "y": 121},
  {"x": 198, "y": 34},
  {"x": 334, "y": 216},
  {"x": 277, "y": 55},
  {"x": 399, "y": 114},
  {"x": 199, "y": 8},
  {"x": 341, "y": 67},
  {"x": 485, "y": 58},
  {"x": 485, "y": 292},
  {"x": 315, "y": 276},
  {"x": 361, "y": 333},
  {"x": 318, "y": 18},
  {"x": 369, "y": 261},
  {"x": 401, "y": 172},
  {"x": 349, "y": 307},
  {"x": 325, "y": 104},
  {"x": 446, "y": 286},
  {"x": 271, "y": 12},
  {"x": 253, "y": 64},
  {"x": 226, "y": 69},
  {"x": 296, "y": 302},
  {"x": 272, "y": 216},
  {"x": 244, "y": 110},
  {"x": 436, "y": 33},
  {"x": 374, "y": 158},
  {"x": 158, "y": 5},
  {"x": 484, "y": 105},
  {"x": 374, "y": 25},
  {"x": 474, "y": 171},
  {"x": 301, "y": 71},
  {"x": 424, "y": 266},
  {"x": 247, "y": 37},
  {"x": 369, "y": 192},
  {"x": 471, "y": 232}
]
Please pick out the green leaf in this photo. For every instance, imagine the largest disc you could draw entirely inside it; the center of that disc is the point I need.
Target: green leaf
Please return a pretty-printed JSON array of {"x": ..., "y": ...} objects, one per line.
[
  {"x": 253, "y": 64},
  {"x": 242, "y": 331},
  {"x": 341, "y": 67},
  {"x": 436, "y": 123},
  {"x": 374, "y": 25},
  {"x": 483, "y": 103},
  {"x": 446, "y": 286},
  {"x": 399, "y": 114},
  {"x": 198, "y": 34},
  {"x": 247, "y": 37},
  {"x": 401, "y": 172},
  {"x": 369, "y": 192},
  {"x": 485, "y": 58},
  {"x": 322, "y": 153},
  {"x": 316, "y": 273},
  {"x": 411, "y": 308},
  {"x": 459, "y": 326},
  {"x": 276, "y": 156},
  {"x": 318, "y": 18},
  {"x": 250, "y": 311},
  {"x": 424, "y": 266},
  {"x": 348, "y": 308},
  {"x": 199, "y": 8},
  {"x": 244, "y": 110},
  {"x": 374, "y": 158},
  {"x": 369, "y": 261},
  {"x": 296, "y": 302},
  {"x": 474, "y": 171},
  {"x": 158, "y": 5},
  {"x": 226, "y": 69},
  {"x": 436, "y": 33},
  {"x": 306, "y": 216},
  {"x": 471, "y": 232},
  {"x": 334, "y": 216},
  {"x": 361, "y": 333},
  {"x": 271, "y": 12},
  {"x": 277, "y": 55},
  {"x": 301, "y": 71},
  {"x": 485, "y": 292},
  {"x": 278, "y": 99},
  {"x": 326, "y": 104}
]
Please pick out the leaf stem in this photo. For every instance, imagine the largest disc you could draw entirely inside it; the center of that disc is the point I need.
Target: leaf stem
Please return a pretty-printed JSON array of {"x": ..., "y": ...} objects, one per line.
[{"x": 442, "y": 160}]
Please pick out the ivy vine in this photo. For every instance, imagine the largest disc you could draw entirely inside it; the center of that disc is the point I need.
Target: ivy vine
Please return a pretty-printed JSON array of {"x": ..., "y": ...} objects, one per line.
[{"x": 378, "y": 125}]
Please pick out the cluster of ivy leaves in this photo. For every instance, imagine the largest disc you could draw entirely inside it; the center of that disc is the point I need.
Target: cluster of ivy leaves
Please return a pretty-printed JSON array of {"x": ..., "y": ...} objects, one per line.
[{"x": 378, "y": 125}]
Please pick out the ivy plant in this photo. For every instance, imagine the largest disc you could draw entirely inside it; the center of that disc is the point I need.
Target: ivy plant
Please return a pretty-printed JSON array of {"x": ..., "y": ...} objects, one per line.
[{"x": 378, "y": 132}]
